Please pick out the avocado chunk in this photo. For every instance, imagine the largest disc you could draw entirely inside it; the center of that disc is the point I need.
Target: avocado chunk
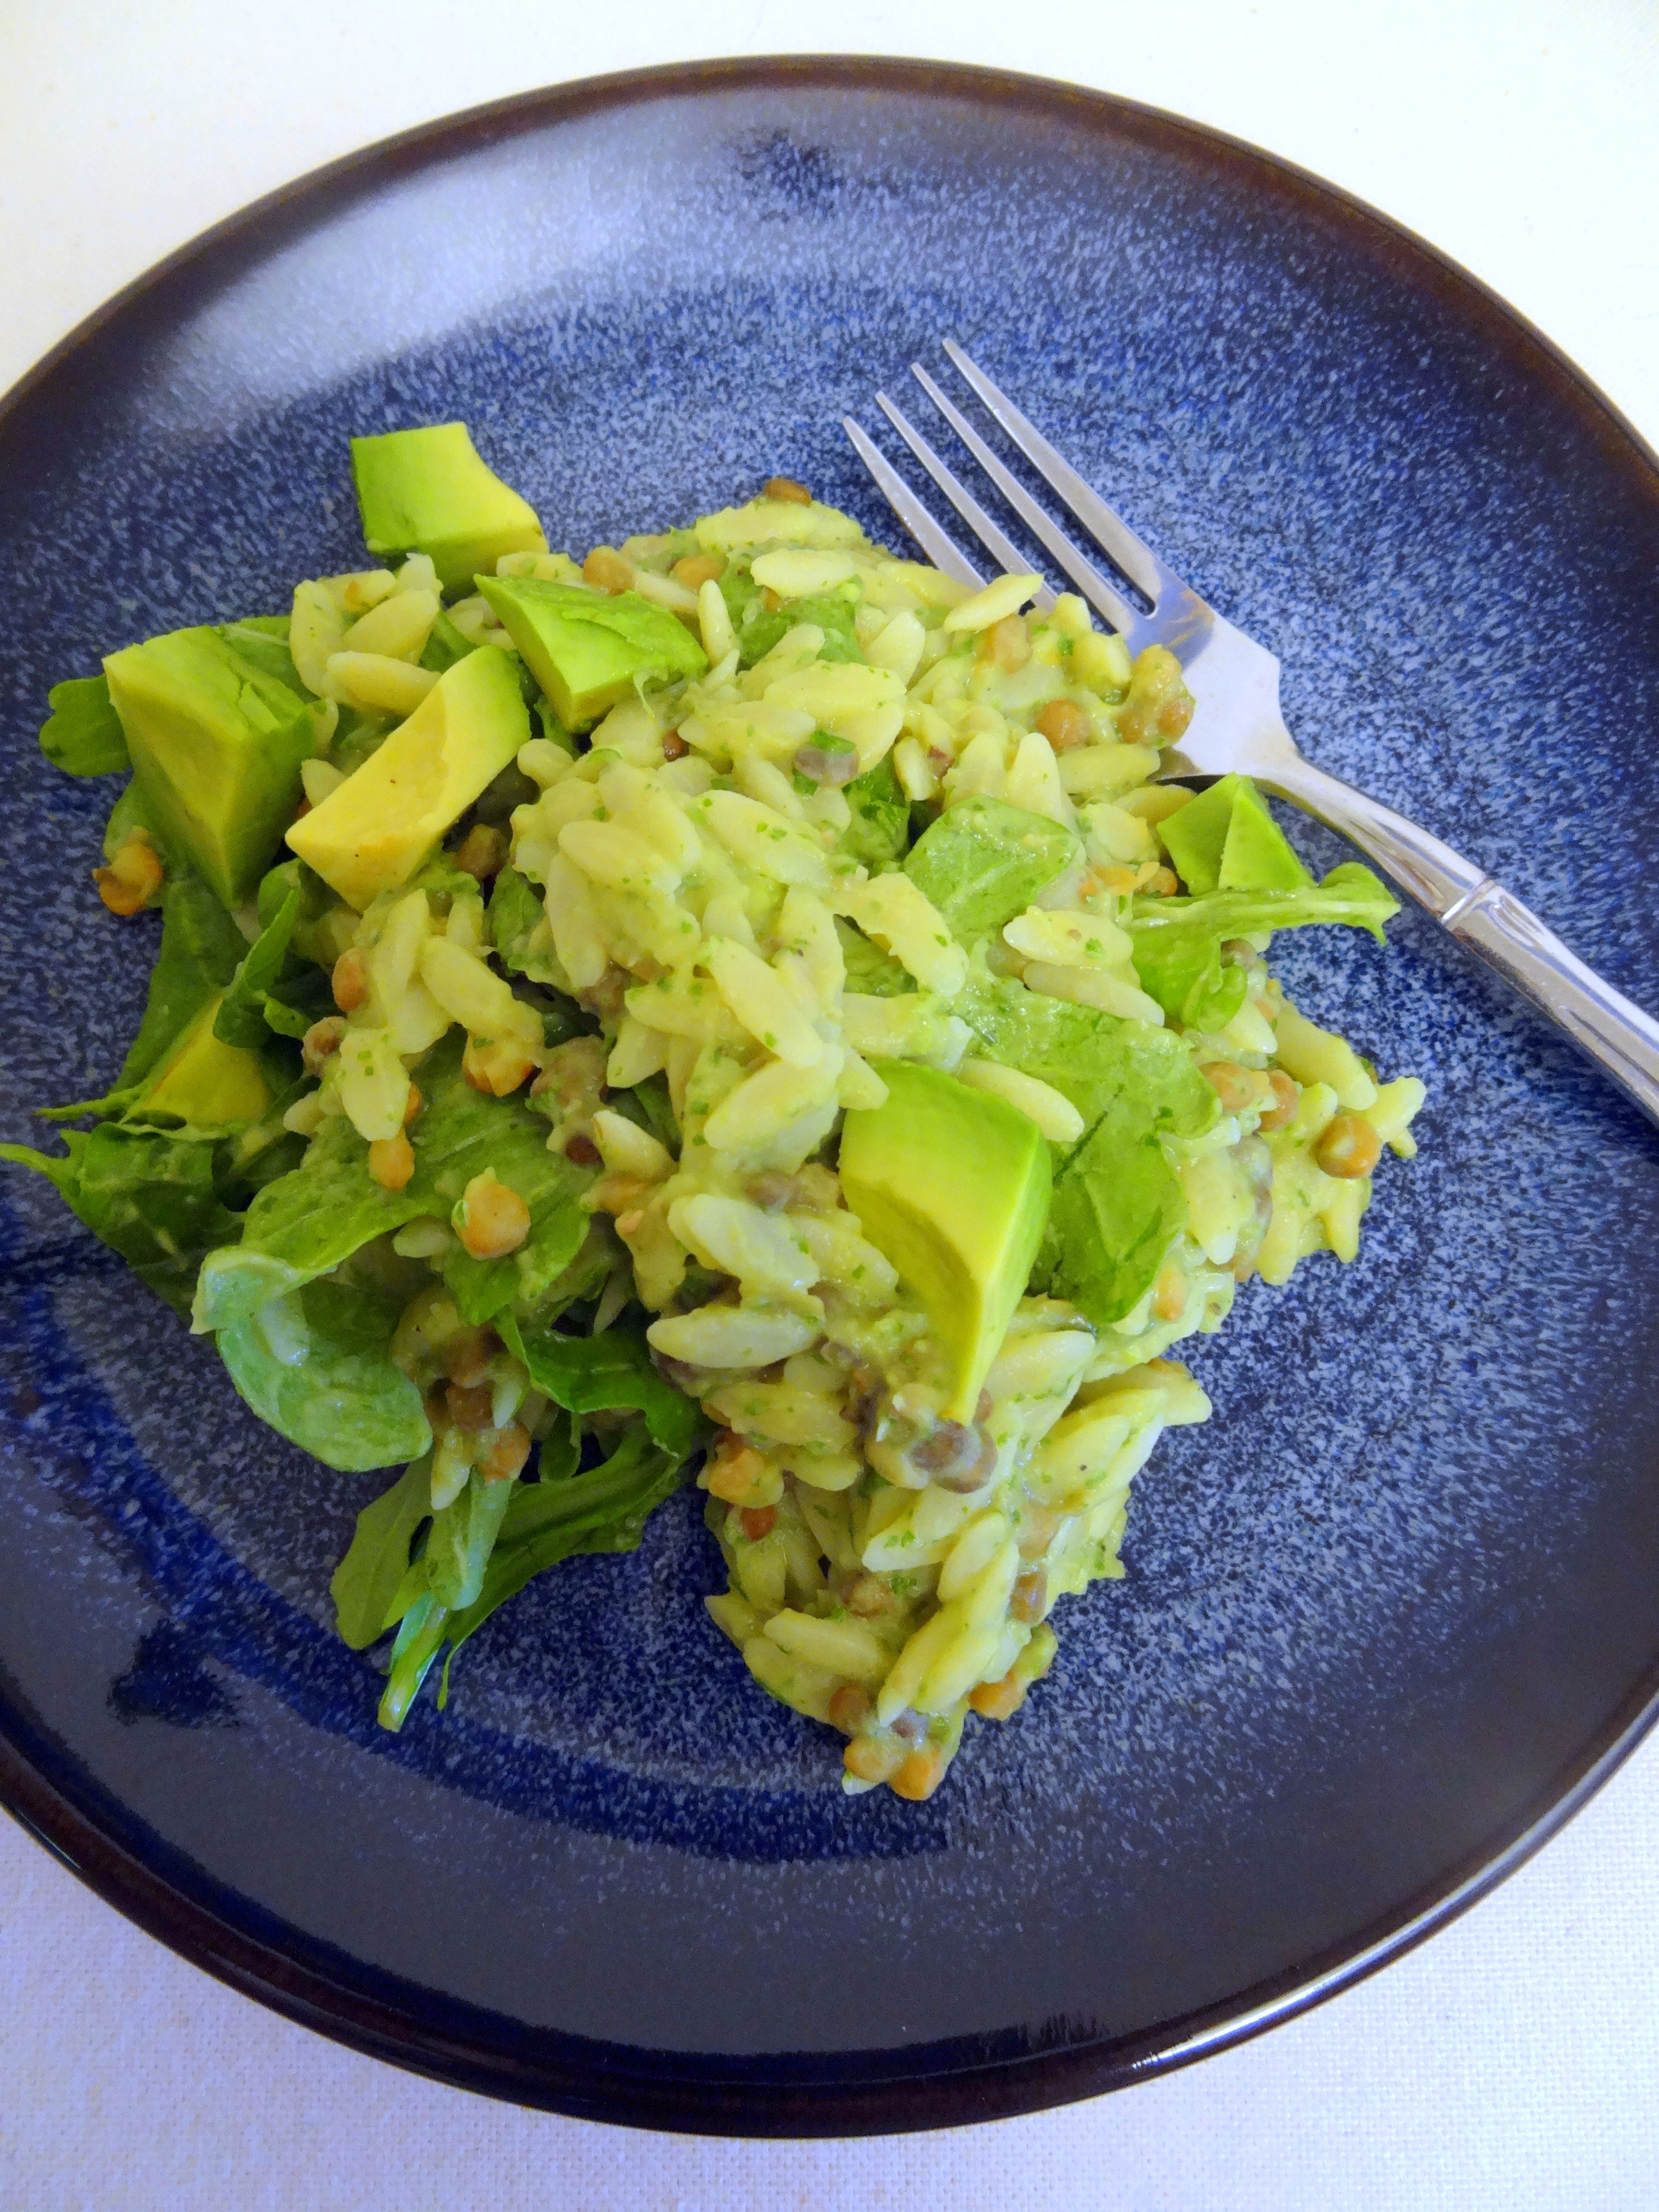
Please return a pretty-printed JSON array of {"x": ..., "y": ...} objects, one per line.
[
  {"x": 1227, "y": 841},
  {"x": 428, "y": 491},
  {"x": 216, "y": 744},
  {"x": 586, "y": 650},
  {"x": 374, "y": 830},
  {"x": 204, "y": 1081},
  {"x": 952, "y": 1184}
]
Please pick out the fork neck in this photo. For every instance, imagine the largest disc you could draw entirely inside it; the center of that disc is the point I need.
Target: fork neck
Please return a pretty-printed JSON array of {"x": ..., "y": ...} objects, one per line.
[{"x": 1434, "y": 875}]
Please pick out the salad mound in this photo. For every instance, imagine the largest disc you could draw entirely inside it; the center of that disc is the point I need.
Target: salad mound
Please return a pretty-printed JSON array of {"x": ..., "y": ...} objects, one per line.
[{"x": 741, "y": 1002}]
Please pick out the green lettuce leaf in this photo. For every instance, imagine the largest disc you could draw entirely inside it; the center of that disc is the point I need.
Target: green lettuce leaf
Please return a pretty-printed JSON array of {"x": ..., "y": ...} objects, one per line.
[
  {"x": 983, "y": 862},
  {"x": 611, "y": 1371},
  {"x": 83, "y": 734}
]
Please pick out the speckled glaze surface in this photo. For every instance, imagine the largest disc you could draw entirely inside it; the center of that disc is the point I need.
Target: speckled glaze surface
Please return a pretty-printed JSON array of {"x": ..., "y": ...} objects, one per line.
[{"x": 1383, "y": 1618}]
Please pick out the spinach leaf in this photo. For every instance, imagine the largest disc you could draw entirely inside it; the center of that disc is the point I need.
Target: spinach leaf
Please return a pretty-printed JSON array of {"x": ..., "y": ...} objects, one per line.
[
  {"x": 548, "y": 1183},
  {"x": 1117, "y": 1202},
  {"x": 880, "y": 827},
  {"x": 870, "y": 971},
  {"x": 515, "y": 913},
  {"x": 983, "y": 862},
  {"x": 1117, "y": 1206},
  {"x": 612, "y": 1370},
  {"x": 306, "y": 1223},
  {"x": 83, "y": 735},
  {"x": 1102, "y": 1064},
  {"x": 241, "y": 1018},
  {"x": 351, "y": 1408},
  {"x": 832, "y": 614},
  {"x": 153, "y": 1198}
]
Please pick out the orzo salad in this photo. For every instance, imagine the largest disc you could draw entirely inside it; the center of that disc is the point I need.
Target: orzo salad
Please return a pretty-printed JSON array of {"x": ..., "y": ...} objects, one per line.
[{"x": 739, "y": 1009}]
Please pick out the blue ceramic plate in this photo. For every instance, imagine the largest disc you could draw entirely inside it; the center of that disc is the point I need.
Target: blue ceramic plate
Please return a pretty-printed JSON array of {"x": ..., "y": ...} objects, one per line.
[{"x": 1387, "y": 1618}]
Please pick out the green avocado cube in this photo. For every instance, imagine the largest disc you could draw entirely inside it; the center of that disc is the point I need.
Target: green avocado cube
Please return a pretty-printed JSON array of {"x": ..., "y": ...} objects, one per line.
[
  {"x": 587, "y": 650},
  {"x": 1227, "y": 841},
  {"x": 953, "y": 1185},
  {"x": 430, "y": 491},
  {"x": 216, "y": 744}
]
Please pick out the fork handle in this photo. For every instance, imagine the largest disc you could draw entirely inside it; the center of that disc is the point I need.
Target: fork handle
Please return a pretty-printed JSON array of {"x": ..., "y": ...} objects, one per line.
[{"x": 1492, "y": 923}]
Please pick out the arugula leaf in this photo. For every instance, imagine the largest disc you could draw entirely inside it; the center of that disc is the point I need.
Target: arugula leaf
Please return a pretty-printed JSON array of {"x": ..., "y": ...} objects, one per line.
[
  {"x": 983, "y": 862},
  {"x": 368, "y": 1578},
  {"x": 350, "y": 1407},
  {"x": 306, "y": 1222},
  {"x": 83, "y": 735},
  {"x": 446, "y": 644},
  {"x": 612, "y": 1370},
  {"x": 545, "y": 1522},
  {"x": 1176, "y": 942},
  {"x": 201, "y": 950},
  {"x": 1350, "y": 894},
  {"x": 241, "y": 1018},
  {"x": 552, "y": 728},
  {"x": 650, "y": 1104},
  {"x": 880, "y": 827}
]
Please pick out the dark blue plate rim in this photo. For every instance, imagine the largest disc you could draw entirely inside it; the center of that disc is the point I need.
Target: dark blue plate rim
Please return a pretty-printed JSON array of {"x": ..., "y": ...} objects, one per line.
[{"x": 853, "y": 2094}]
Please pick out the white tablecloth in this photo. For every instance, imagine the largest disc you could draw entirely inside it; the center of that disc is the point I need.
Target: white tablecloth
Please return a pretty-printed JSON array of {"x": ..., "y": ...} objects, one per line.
[{"x": 1508, "y": 2062}]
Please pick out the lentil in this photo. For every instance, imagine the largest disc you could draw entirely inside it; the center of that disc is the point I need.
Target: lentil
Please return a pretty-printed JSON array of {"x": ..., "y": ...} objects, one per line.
[
  {"x": 489, "y": 1218},
  {"x": 1065, "y": 725},
  {"x": 1348, "y": 1148},
  {"x": 392, "y": 1162}
]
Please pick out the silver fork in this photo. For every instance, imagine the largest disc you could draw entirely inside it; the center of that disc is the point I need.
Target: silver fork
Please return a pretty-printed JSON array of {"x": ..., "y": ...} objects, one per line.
[{"x": 1236, "y": 723}]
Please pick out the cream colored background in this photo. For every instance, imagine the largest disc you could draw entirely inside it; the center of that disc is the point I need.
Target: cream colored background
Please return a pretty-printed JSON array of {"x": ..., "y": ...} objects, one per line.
[{"x": 1511, "y": 2061}]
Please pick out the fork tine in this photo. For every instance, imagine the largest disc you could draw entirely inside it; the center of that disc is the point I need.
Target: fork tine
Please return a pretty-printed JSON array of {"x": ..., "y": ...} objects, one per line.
[
  {"x": 1138, "y": 561},
  {"x": 1088, "y": 579},
  {"x": 1002, "y": 548},
  {"x": 943, "y": 551}
]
